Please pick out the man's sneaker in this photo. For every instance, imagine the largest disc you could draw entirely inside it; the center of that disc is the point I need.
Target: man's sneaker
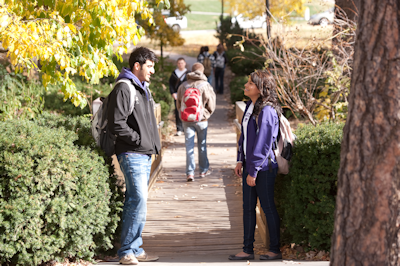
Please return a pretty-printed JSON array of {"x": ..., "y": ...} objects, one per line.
[
  {"x": 204, "y": 174},
  {"x": 190, "y": 178},
  {"x": 146, "y": 257},
  {"x": 129, "y": 260},
  {"x": 178, "y": 133}
]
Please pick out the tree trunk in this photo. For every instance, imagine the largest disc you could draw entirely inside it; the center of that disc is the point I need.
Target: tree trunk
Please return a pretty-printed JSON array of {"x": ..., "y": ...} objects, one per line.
[
  {"x": 350, "y": 7},
  {"x": 162, "y": 56},
  {"x": 268, "y": 19},
  {"x": 367, "y": 219}
]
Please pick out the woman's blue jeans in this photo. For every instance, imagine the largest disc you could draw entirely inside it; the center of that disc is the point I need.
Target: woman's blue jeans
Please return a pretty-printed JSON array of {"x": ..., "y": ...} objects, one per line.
[
  {"x": 264, "y": 190},
  {"x": 136, "y": 169},
  {"x": 191, "y": 128}
]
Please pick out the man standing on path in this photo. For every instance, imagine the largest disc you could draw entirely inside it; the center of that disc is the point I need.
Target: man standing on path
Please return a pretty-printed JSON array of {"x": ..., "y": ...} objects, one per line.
[
  {"x": 197, "y": 80},
  {"x": 178, "y": 76},
  {"x": 208, "y": 62},
  {"x": 220, "y": 63},
  {"x": 137, "y": 139}
]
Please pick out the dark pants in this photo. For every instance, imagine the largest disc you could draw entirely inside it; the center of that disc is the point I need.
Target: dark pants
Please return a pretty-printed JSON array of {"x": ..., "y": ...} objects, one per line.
[
  {"x": 264, "y": 190},
  {"x": 219, "y": 80},
  {"x": 179, "y": 126}
]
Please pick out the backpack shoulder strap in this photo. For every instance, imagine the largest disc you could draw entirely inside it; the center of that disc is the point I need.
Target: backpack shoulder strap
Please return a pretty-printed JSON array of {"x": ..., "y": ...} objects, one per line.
[{"x": 133, "y": 92}]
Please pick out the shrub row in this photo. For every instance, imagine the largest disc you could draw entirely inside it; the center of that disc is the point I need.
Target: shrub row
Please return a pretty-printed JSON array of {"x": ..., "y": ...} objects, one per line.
[
  {"x": 306, "y": 196},
  {"x": 58, "y": 197},
  {"x": 237, "y": 88}
]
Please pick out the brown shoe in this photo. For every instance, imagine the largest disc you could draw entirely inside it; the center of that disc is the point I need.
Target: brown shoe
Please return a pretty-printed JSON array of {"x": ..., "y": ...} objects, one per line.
[
  {"x": 129, "y": 260},
  {"x": 146, "y": 257}
]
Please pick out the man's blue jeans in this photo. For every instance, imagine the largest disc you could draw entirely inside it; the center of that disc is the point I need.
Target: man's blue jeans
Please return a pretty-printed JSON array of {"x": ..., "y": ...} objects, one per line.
[
  {"x": 136, "y": 170},
  {"x": 190, "y": 129},
  {"x": 210, "y": 78},
  {"x": 264, "y": 190}
]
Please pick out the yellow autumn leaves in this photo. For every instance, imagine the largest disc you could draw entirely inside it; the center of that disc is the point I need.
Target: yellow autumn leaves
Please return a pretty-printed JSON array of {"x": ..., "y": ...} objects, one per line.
[
  {"x": 278, "y": 8},
  {"x": 70, "y": 37}
]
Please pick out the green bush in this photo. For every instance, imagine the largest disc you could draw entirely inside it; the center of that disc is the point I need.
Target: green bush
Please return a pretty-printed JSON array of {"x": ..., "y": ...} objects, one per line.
[
  {"x": 237, "y": 89},
  {"x": 244, "y": 63},
  {"x": 55, "y": 196},
  {"x": 227, "y": 32},
  {"x": 306, "y": 197},
  {"x": 54, "y": 98},
  {"x": 19, "y": 98},
  {"x": 159, "y": 87}
]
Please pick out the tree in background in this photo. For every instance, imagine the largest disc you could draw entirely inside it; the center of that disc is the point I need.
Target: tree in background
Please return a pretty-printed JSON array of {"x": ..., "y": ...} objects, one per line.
[
  {"x": 160, "y": 31},
  {"x": 278, "y": 8},
  {"x": 70, "y": 37},
  {"x": 367, "y": 215}
]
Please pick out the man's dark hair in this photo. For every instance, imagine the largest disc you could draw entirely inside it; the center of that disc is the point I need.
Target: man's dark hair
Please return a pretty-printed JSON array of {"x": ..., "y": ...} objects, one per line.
[
  {"x": 180, "y": 58},
  {"x": 141, "y": 55},
  {"x": 206, "y": 48}
]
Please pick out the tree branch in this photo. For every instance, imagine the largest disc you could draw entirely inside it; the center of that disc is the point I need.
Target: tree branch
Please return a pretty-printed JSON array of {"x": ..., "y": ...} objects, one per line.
[{"x": 2, "y": 50}]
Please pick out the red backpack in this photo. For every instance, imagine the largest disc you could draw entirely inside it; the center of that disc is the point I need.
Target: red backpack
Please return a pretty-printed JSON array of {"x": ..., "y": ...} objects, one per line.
[{"x": 192, "y": 106}]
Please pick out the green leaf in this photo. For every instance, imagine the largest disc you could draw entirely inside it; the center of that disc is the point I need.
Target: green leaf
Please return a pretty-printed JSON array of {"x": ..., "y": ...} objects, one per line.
[
  {"x": 96, "y": 59},
  {"x": 141, "y": 31}
]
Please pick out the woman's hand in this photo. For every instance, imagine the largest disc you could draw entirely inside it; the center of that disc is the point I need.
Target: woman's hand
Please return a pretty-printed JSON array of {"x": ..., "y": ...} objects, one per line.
[
  {"x": 251, "y": 181},
  {"x": 238, "y": 169}
]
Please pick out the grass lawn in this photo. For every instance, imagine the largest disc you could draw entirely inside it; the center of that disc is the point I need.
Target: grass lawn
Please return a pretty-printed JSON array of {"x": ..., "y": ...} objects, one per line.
[
  {"x": 206, "y": 5},
  {"x": 202, "y": 22}
]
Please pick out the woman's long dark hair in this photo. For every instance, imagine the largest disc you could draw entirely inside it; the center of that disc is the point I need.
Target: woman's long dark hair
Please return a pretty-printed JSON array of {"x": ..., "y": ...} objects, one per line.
[{"x": 266, "y": 84}]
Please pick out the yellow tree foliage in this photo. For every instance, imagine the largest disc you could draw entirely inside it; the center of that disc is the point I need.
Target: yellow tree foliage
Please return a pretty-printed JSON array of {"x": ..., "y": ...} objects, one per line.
[
  {"x": 278, "y": 8},
  {"x": 70, "y": 36}
]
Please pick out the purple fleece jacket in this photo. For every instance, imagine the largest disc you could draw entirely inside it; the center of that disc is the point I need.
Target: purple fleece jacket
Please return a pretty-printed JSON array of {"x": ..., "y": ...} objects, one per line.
[{"x": 259, "y": 141}]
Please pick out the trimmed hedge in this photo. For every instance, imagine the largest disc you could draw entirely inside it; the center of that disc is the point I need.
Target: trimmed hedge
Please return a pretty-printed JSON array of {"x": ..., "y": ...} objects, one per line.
[
  {"x": 306, "y": 196},
  {"x": 56, "y": 201},
  {"x": 246, "y": 62},
  {"x": 237, "y": 89}
]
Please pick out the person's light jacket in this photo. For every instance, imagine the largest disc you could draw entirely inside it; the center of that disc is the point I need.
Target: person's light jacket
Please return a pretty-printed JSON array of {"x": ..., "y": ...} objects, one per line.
[{"x": 194, "y": 79}]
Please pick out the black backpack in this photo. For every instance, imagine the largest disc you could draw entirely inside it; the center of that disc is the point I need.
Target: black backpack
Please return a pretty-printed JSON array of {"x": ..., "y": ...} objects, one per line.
[{"x": 104, "y": 138}]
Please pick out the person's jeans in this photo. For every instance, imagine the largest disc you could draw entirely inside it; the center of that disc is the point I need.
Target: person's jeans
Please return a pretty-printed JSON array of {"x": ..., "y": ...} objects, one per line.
[
  {"x": 264, "y": 190},
  {"x": 219, "y": 80},
  {"x": 190, "y": 129},
  {"x": 210, "y": 78},
  {"x": 136, "y": 170},
  {"x": 179, "y": 126}
]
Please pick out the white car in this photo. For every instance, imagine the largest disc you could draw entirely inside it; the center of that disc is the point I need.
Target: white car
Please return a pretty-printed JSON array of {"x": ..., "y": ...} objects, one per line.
[
  {"x": 246, "y": 23},
  {"x": 324, "y": 18},
  {"x": 176, "y": 22}
]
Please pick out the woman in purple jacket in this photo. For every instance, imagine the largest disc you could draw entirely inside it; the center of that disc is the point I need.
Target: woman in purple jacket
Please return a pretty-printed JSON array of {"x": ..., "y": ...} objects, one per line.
[{"x": 260, "y": 126}]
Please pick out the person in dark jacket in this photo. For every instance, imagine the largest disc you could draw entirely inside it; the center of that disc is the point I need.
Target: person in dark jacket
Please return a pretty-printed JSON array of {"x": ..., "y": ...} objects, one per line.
[
  {"x": 178, "y": 76},
  {"x": 208, "y": 62},
  {"x": 260, "y": 126},
  {"x": 137, "y": 139},
  {"x": 220, "y": 63}
]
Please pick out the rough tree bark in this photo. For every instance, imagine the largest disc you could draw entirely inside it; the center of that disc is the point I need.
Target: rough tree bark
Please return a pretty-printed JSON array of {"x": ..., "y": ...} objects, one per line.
[{"x": 367, "y": 216}]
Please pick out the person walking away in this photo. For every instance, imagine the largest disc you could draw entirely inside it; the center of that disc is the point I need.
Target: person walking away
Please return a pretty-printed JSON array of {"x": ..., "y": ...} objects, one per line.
[
  {"x": 195, "y": 118},
  {"x": 220, "y": 63},
  {"x": 260, "y": 126},
  {"x": 137, "y": 139},
  {"x": 208, "y": 62},
  {"x": 200, "y": 54},
  {"x": 178, "y": 76}
]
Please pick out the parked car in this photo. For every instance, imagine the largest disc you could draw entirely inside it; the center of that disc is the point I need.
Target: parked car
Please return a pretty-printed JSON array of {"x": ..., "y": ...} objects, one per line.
[
  {"x": 176, "y": 21},
  {"x": 323, "y": 18},
  {"x": 246, "y": 23}
]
